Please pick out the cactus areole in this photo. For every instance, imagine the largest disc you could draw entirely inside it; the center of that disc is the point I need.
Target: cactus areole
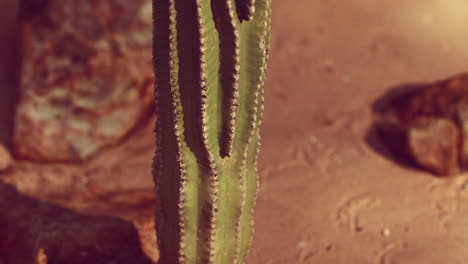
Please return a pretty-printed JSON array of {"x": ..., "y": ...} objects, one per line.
[{"x": 210, "y": 62}]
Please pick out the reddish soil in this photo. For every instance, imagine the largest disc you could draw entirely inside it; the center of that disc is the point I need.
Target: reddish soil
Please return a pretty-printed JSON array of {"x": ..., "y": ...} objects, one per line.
[{"x": 330, "y": 193}]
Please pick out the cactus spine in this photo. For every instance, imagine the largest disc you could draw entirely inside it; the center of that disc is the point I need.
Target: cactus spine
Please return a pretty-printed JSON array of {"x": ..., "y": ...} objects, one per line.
[{"x": 210, "y": 62}]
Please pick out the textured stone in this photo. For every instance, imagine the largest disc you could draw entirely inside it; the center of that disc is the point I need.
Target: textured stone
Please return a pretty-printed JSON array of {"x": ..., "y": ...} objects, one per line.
[
  {"x": 87, "y": 77},
  {"x": 5, "y": 158},
  {"x": 433, "y": 119},
  {"x": 433, "y": 144}
]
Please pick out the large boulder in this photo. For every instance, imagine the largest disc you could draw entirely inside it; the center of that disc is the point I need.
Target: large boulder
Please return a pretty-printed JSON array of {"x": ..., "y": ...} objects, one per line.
[{"x": 87, "y": 76}]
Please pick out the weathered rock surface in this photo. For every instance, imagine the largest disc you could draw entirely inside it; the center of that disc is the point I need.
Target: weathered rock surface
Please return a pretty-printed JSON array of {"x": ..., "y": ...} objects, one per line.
[
  {"x": 5, "y": 158},
  {"x": 434, "y": 145},
  {"x": 429, "y": 123},
  {"x": 87, "y": 77}
]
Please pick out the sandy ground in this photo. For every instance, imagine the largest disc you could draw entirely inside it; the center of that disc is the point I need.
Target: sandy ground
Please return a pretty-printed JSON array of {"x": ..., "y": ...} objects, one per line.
[{"x": 328, "y": 194}]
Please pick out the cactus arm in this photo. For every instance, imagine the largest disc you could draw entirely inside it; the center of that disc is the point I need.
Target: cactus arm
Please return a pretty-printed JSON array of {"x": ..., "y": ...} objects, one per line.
[
  {"x": 228, "y": 24},
  {"x": 257, "y": 31},
  {"x": 198, "y": 49},
  {"x": 177, "y": 174},
  {"x": 252, "y": 72}
]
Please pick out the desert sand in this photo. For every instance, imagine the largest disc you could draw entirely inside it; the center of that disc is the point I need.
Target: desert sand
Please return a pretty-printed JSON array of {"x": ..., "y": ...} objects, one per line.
[{"x": 330, "y": 191}]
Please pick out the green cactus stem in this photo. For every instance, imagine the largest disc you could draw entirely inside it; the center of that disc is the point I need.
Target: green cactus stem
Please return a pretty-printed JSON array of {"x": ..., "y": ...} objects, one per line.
[{"x": 210, "y": 62}]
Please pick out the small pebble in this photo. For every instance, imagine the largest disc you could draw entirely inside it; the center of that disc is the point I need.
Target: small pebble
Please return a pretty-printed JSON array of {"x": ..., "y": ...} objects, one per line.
[
  {"x": 301, "y": 244},
  {"x": 386, "y": 232}
]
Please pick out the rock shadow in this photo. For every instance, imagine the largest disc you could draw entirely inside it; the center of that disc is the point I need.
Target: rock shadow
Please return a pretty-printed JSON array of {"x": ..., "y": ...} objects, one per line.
[
  {"x": 29, "y": 226},
  {"x": 387, "y": 138}
]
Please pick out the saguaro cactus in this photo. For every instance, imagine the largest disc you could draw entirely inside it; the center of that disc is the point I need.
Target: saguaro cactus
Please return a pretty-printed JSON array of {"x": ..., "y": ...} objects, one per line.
[{"x": 210, "y": 61}]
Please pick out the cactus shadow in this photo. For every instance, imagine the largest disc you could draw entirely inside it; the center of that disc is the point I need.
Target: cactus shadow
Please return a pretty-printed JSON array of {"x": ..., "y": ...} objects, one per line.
[
  {"x": 387, "y": 138},
  {"x": 29, "y": 226}
]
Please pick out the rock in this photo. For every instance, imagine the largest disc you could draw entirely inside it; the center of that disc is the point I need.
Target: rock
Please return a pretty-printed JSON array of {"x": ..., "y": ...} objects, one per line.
[
  {"x": 434, "y": 145},
  {"x": 87, "y": 77},
  {"x": 433, "y": 119},
  {"x": 33, "y": 231},
  {"x": 5, "y": 158}
]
